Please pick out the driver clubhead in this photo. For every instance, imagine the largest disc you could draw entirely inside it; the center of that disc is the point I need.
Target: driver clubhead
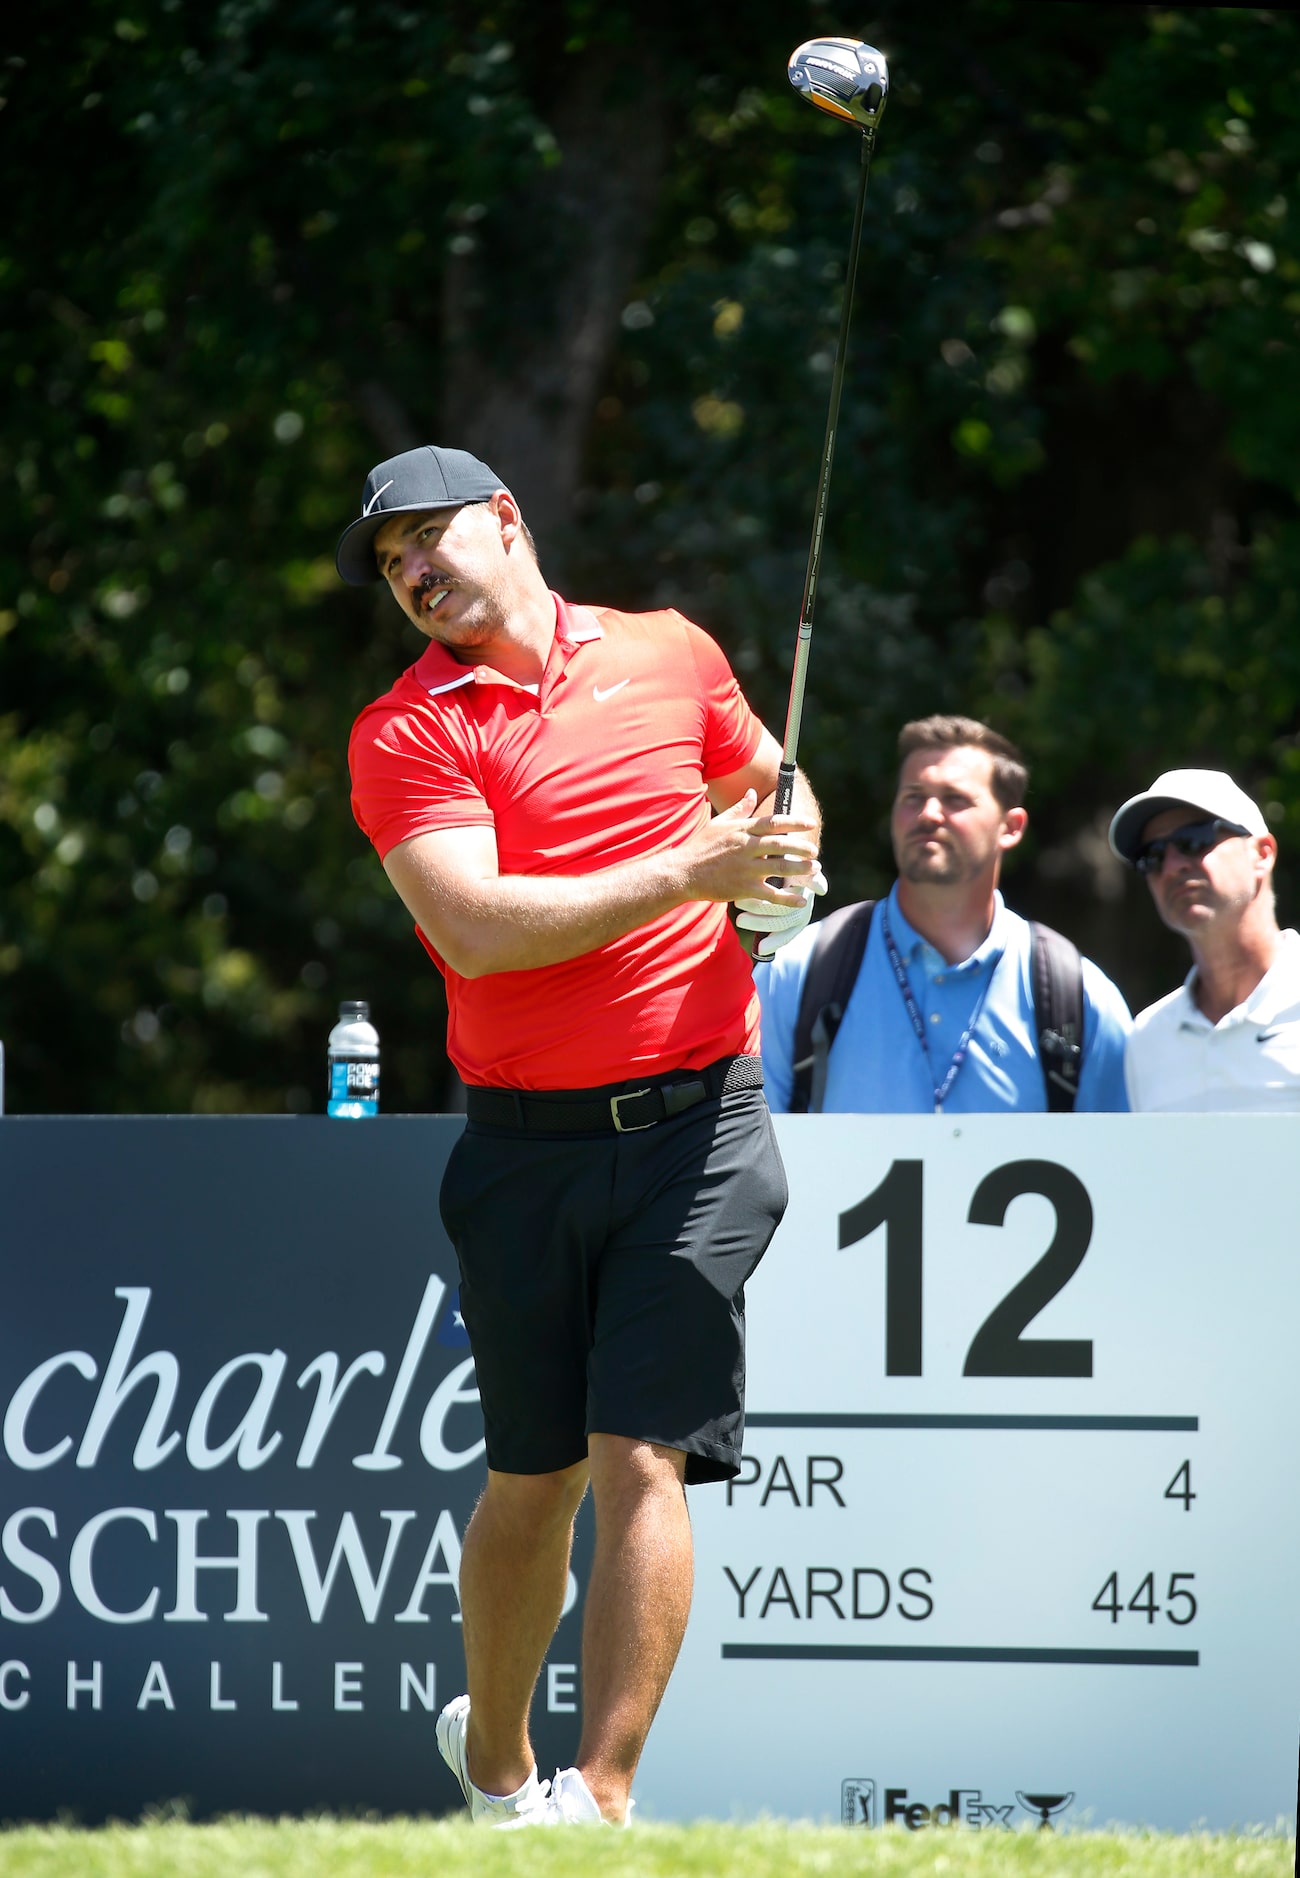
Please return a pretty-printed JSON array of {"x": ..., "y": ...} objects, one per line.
[{"x": 845, "y": 77}]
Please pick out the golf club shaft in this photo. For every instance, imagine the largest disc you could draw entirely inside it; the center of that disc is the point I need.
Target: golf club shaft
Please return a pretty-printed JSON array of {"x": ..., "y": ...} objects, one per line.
[{"x": 799, "y": 676}]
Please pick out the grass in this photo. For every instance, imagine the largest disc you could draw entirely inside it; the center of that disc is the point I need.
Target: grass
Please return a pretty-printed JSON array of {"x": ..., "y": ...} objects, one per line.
[{"x": 408, "y": 1848}]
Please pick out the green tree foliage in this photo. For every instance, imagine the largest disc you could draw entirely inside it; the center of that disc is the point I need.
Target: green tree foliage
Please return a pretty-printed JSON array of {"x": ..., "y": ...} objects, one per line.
[{"x": 251, "y": 248}]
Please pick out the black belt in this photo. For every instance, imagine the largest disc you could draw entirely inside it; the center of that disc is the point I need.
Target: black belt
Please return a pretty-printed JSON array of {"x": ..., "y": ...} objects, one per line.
[{"x": 623, "y": 1107}]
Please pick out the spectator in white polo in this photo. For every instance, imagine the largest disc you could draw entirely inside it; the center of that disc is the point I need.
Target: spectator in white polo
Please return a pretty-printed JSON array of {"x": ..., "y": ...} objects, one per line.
[{"x": 1229, "y": 1037}]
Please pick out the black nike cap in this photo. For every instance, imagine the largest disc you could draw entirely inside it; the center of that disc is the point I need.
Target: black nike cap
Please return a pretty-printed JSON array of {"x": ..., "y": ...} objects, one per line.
[{"x": 427, "y": 478}]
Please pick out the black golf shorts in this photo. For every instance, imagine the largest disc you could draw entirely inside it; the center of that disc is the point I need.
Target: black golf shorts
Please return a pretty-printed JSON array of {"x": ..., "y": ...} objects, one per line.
[{"x": 602, "y": 1280}]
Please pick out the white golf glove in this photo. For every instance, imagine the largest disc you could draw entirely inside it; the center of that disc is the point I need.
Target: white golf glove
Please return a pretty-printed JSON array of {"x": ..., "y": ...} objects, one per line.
[{"x": 778, "y": 924}]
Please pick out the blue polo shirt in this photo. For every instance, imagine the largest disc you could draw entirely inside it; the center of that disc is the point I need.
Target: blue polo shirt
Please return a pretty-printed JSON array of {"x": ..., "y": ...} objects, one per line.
[{"x": 877, "y": 1065}]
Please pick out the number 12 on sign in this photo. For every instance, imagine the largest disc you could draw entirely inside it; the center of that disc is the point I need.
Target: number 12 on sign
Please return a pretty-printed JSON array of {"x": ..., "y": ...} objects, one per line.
[{"x": 999, "y": 1347}]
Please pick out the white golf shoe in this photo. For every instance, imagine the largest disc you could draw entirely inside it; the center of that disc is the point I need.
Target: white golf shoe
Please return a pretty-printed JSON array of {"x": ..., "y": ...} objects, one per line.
[
  {"x": 573, "y": 1801},
  {"x": 532, "y": 1805},
  {"x": 574, "y": 1804}
]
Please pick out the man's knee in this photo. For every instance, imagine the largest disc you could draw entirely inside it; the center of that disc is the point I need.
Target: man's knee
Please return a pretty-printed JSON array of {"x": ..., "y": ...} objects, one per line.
[
  {"x": 625, "y": 1468},
  {"x": 536, "y": 1501}
]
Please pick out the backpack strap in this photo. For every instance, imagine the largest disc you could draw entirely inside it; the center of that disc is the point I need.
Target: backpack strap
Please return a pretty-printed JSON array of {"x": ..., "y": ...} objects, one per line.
[
  {"x": 839, "y": 942},
  {"x": 1056, "y": 976}
]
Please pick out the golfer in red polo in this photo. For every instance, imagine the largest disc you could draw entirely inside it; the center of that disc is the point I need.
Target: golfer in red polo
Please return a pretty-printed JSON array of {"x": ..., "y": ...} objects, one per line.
[{"x": 566, "y": 798}]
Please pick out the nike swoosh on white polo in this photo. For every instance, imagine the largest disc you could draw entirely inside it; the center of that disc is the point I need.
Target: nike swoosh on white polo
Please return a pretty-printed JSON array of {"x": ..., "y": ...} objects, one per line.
[{"x": 600, "y": 696}]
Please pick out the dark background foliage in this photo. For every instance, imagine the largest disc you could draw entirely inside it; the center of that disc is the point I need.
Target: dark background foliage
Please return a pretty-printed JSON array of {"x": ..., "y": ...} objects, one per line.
[{"x": 250, "y": 248}]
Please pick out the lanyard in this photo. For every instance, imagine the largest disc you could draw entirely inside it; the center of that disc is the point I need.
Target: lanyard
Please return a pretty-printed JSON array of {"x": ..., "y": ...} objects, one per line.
[{"x": 941, "y": 1089}]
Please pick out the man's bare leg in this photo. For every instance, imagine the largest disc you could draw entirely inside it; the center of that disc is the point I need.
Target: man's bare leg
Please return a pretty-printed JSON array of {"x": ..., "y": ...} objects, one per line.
[
  {"x": 513, "y": 1572},
  {"x": 637, "y": 1604}
]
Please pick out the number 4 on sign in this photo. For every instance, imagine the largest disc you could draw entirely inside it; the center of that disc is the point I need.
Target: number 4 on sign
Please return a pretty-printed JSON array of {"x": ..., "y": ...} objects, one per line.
[
  {"x": 1145, "y": 1606},
  {"x": 1184, "y": 1492}
]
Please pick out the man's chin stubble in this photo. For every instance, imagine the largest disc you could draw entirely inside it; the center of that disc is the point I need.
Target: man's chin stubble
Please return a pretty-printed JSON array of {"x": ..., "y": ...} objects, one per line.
[{"x": 920, "y": 874}]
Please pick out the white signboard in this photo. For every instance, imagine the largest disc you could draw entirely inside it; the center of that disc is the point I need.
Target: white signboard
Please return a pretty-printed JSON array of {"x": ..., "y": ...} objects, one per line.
[{"x": 1017, "y": 1538}]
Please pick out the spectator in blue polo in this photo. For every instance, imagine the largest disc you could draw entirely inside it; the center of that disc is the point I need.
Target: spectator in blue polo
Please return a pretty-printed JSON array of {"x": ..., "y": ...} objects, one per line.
[
  {"x": 939, "y": 998},
  {"x": 1229, "y": 1036}
]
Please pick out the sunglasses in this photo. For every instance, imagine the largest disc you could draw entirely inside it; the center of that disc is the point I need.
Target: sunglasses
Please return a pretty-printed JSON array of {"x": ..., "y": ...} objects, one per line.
[{"x": 1193, "y": 840}]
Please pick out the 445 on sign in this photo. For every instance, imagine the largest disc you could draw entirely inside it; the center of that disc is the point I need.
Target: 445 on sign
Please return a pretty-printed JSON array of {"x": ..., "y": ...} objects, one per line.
[{"x": 1143, "y": 1601}]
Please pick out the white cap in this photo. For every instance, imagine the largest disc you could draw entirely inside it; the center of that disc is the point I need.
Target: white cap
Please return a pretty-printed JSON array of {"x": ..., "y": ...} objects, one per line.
[{"x": 1209, "y": 791}]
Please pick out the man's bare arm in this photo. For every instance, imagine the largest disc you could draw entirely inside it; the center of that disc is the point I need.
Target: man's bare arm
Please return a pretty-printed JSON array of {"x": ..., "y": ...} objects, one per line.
[
  {"x": 760, "y": 774},
  {"x": 482, "y": 921}
]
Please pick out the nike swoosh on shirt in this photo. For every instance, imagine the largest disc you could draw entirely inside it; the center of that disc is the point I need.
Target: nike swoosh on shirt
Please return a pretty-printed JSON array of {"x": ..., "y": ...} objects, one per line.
[
  {"x": 1266, "y": 1036},
  {"x": 600, "y": 696}
]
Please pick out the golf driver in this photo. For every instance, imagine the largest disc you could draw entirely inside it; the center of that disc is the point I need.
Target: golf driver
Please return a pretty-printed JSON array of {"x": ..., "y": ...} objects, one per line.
[{"x": 849, "y": 80}]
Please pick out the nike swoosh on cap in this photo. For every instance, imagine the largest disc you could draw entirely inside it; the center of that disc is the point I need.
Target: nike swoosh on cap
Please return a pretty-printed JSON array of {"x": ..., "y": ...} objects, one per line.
[{"x": 600, "y": 696}]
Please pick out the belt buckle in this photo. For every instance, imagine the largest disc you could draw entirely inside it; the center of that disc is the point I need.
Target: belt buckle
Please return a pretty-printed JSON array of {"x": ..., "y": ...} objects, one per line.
[{"x": 628, "y": 1128}]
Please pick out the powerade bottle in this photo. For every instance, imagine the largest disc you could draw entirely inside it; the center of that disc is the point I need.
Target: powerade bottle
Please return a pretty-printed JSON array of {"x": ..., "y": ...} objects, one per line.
[{"x": 353, "y": 1063}]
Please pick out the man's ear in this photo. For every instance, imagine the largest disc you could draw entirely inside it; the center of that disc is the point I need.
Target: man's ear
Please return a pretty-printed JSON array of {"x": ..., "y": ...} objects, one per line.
[
  {"x": 1014, "y": 824},
  {"x": 509, "y": 519}
]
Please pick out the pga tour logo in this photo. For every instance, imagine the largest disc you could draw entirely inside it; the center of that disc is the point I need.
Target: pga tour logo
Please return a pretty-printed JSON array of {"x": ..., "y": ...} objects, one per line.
[{"x": 964, "y": 1806}]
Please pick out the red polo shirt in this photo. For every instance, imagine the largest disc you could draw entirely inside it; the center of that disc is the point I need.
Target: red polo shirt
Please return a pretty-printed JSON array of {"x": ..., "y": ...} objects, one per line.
[{"x": 607, "y": 760}]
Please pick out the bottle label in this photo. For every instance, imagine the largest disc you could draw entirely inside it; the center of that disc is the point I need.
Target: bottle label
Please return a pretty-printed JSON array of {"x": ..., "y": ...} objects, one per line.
[{"x": 354, "y": 1088}]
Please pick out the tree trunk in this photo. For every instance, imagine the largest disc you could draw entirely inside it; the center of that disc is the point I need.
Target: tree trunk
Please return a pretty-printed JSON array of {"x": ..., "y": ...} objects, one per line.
[{"x": 524, "y": 404}]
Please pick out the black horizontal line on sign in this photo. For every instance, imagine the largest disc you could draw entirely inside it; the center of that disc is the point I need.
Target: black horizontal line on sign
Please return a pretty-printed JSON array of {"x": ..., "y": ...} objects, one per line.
[
  {"x": 1103, "y": 1424},
  {"x": 938, "y": 1653}
]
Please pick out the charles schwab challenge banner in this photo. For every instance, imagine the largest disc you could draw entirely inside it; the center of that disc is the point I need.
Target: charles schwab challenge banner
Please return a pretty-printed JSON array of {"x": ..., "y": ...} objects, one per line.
[
  {"x": 241, "y": 1442},
  {"x": 1015, "y": 1539}
]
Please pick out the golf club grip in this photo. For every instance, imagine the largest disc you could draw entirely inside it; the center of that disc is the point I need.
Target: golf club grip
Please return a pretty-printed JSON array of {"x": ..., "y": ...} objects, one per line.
[
  {"x": 782, "y": 803},
  {"x": 783, "y": 800}
]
